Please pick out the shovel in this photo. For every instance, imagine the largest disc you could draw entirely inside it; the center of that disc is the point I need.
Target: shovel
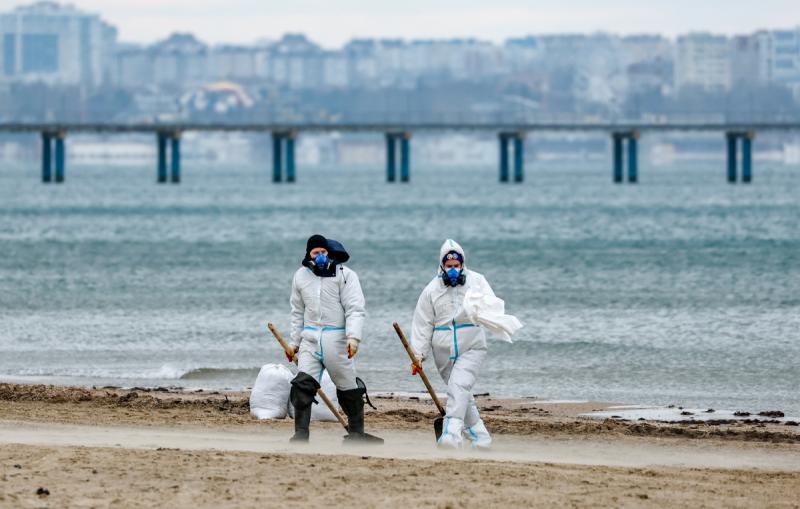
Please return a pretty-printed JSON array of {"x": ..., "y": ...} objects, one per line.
[
  {"x": 437, "y": 423},
  {"x": 328, "y": 403}
]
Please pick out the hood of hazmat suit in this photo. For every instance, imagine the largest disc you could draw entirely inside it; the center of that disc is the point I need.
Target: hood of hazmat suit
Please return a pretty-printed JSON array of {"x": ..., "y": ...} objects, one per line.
[
  {"x": 337, "y": 251},
  {"x": 448, "y": 246}
]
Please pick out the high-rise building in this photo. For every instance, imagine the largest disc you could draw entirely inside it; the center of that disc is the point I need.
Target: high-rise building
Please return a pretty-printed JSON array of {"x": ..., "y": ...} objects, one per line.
[
  {"x": 522, "y": 53},
  {"x": 296, "y": 62},
  {"x": 240, "y": 63},
  {"x": 178, "y": 62},
  {"x": 703, "y": 60},
  {"x": 783, "y": 56},
  {"x": 644, "y": 48},
  {"x": 55, "y": 44},
  {"x": 745, "y": 60},
  {"x": 595, "y": 62}
]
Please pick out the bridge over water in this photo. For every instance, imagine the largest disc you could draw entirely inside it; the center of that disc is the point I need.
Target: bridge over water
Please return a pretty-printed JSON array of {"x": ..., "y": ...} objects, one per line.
[{"x": 511, "y": 136}]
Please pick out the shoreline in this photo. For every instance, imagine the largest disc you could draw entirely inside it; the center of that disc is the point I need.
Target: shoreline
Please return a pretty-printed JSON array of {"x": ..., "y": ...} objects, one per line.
[
  {"x": 723, "y": 402},
  {"x": 522, "y": 416}
]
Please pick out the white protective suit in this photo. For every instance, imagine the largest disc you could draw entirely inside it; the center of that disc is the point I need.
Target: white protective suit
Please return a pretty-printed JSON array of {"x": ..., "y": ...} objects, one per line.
[
  {"x": 459, "y": 348},
  {"x": 326, "y": 312}
]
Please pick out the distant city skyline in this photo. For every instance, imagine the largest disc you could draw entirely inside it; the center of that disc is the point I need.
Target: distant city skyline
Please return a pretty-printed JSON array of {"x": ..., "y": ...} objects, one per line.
[
  {"x": 81, "y": 53},
  {"x": 333, "y": 24}
]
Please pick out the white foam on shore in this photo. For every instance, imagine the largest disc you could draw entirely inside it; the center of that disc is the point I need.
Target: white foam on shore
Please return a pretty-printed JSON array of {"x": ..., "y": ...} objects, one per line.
[
  {"x": 406, "y": 395},
  {"x": 163, "y": 373},
  {"x": 631, "y": 407},
  {"x": 560, "y": 401},
  {"x": 675, "y": 414}
]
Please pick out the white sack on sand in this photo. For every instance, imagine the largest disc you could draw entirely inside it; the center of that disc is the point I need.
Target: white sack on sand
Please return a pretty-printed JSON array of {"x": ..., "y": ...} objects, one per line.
[{"x": 270, "y": 394}]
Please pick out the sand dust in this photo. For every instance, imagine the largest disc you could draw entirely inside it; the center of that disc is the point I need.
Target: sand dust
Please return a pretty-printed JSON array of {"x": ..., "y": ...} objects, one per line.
[{"x": 419, "y": 445}]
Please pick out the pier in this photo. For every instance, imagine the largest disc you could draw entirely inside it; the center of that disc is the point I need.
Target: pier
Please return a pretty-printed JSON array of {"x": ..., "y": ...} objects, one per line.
[{"x": 624, "y": 143}]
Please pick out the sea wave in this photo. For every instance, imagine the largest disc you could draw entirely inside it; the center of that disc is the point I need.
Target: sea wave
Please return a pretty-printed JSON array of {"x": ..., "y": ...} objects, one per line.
[{"x": 165, "y": 372}]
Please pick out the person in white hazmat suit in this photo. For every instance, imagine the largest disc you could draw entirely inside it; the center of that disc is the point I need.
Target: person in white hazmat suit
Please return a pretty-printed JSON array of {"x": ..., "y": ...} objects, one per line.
[
  {"x": 326, "y": 323},
  {"x": 458, "y": 346}
]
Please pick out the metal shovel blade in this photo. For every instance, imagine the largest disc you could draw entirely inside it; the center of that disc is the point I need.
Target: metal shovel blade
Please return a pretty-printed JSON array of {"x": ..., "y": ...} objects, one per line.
[{"x": 438, "y": 424}]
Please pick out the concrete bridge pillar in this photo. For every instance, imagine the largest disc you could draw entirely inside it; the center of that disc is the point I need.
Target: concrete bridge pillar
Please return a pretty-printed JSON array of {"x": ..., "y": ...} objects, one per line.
[
  {"x": 277, "y": 157},
  {"x": 747, "y": 157},
  {"x": 47, "y": 157},
  {"x": 176, "y": 157},
  {"x": 60, "y": 158},
  {"x": 503, "y": 139},
  {"x": 618, "y": 140},
  {"x": 161, "y": 138},
  {"x": 391, "y": 151},
  {"x": 519, "y": 157},
  {"x": 633, "y": 158},
  {"x": 405, "y": 157},
  {"x": 731, "y": 138},
  {"x": 290, "y": 168}
]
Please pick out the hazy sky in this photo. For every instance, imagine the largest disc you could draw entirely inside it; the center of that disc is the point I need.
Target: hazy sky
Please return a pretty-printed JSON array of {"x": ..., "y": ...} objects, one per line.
[{"x": 332, "y": 22}]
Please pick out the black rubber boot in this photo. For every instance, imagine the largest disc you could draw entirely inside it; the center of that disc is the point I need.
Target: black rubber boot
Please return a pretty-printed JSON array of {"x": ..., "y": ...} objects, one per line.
[
  {"x": 302, "y": 419},
  {"x": 304, "y": 388},
  {"x": 352, "y": 403}
]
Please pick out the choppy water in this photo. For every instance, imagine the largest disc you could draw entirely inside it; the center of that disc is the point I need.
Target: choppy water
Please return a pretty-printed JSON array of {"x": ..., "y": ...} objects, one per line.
[{"x": 682, "y": 289}]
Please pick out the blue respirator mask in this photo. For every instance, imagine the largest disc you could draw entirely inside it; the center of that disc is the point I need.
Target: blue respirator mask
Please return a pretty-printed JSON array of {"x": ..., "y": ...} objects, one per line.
[
  {"x": 321, "y": 261},
  {"x": 453, "y": 277}
]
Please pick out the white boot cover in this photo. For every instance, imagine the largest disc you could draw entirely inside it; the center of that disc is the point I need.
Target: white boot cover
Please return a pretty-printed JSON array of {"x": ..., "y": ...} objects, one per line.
[
  {"x": 478, "y": 435},
  {"x": 451, "y": 433}
]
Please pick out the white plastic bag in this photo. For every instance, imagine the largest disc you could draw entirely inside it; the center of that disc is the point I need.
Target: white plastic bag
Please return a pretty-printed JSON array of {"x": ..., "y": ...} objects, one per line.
[
  {"x": 270, "y": 395},
  {"x": 320, "y": 412},
  {"x": 489, "y": 312}
]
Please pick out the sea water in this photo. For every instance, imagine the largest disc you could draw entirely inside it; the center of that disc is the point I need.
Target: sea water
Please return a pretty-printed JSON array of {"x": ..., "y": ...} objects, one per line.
[{"x": 682, "y": 289}]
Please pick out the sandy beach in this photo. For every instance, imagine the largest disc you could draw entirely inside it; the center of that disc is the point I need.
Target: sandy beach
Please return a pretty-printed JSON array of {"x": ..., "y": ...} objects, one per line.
[{"x": 142, "y": 448}]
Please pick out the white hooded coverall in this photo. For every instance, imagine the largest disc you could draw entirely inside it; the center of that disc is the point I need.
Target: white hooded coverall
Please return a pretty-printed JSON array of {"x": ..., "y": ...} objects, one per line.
[
  {"x": 326, "y": 312},
  {"x": 458, "y": 346}
]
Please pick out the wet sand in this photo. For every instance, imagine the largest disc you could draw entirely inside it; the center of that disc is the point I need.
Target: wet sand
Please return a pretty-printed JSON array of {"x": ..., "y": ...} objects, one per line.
[{"x": 111, "y": 447}]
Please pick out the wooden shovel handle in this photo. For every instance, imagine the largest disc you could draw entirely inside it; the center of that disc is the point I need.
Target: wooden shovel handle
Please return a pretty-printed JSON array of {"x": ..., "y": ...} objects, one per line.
[
  {"x": 320, "y": 393},
  {"x": 286, "y": 348},
  {"x": 421, "y": 372}
]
